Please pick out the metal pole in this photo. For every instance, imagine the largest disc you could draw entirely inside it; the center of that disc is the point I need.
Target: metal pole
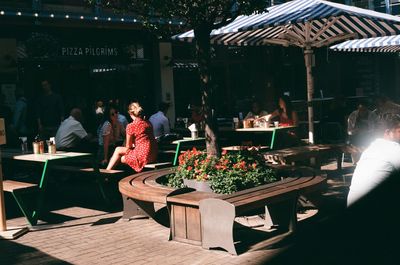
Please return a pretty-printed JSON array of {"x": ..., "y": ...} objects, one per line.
[
  {"x": 308, "y": 53},
  {"x": 3, "y": 226}
]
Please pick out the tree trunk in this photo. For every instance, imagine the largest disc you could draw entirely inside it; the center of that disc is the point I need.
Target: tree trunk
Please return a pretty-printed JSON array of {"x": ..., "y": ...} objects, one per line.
[{"x": 203, "y": 50}]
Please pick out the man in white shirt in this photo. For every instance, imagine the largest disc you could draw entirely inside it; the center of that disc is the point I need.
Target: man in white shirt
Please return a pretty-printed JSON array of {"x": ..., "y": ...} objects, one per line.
[
  {"x": 362, "y": 125},
  {"x": 159, "y": 121},
  {"x": 378, "y": 161},
  {"x": 71, "y": 132}
]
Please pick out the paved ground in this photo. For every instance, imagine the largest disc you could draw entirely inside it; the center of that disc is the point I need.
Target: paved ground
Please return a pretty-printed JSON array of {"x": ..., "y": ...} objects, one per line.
[{"x": 79, "y": 230}]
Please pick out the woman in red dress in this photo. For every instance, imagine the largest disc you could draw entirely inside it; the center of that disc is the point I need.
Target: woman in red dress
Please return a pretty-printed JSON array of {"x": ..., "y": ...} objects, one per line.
[{"x": 140, "y": 147}]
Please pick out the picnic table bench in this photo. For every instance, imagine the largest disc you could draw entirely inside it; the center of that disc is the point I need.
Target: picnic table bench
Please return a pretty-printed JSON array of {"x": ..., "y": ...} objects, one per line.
[
  {"x": 293, "y": 155},
  {"x": 31, "y": 209},
  {"x": 207, "y": 219}
]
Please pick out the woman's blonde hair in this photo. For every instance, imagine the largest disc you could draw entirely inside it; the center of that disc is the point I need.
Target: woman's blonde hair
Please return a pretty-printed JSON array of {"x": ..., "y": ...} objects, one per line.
[{"x": 135, "y": 109}]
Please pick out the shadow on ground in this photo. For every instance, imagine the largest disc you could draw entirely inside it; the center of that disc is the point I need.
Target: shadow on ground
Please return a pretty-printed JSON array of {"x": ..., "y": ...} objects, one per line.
[
  {"x": 13, "y": 253},
  {"x": 67, "y": 193}
]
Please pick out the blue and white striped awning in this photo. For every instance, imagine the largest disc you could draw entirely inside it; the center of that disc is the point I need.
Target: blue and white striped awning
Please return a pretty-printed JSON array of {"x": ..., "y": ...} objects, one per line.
[
  {"x": 307, "y": 24},
  {"x": 312, "y": 23},
  {"x": 378, "y": 44}
]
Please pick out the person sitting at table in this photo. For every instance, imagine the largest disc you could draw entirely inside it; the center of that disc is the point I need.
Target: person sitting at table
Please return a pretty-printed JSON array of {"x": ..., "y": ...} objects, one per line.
[
  {"x": 110, "y": 133},
  {"x": 71, "y": 136},
  {"x": 160, "y": 121},
  {"x": 362, "y": 125},
  {"x": 140, "y": 145},
  {"x": 255, "y": 111},
  {"x": 284, "y": 114}
]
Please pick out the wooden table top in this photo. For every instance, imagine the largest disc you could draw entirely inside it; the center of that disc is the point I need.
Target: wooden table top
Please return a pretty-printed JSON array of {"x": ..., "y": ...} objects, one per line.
[
  {"x": 17, "y": 155},
  {"x": 258, "y": 129}
]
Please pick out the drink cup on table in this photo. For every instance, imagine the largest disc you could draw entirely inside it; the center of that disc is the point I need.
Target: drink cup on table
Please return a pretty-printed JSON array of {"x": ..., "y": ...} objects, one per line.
[
  {"x": 35, "y": 146},
  {"x": 41, "y": 147},
  {"x": 276, "y": 123}
]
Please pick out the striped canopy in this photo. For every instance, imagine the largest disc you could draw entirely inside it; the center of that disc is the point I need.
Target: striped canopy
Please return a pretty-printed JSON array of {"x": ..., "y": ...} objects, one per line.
[
  {"x": 378, "y": 44},
  {"x": 307, "y": 24},
  {"x": 286, "y": 24}
]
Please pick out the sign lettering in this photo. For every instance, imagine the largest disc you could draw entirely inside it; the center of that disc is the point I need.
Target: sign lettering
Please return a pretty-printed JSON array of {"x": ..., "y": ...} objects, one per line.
[{"x": 89, "y": 51}]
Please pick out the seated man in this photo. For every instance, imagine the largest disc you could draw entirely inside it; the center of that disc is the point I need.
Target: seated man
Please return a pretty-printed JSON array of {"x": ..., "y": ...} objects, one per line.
[
  {"x": 159, "y": 120},
  {"x": 256, "y": 111},
  {"x": 378, "y": 161},
  {"x": 71, "y": 136},
  {"x": 362, "y": 125}
]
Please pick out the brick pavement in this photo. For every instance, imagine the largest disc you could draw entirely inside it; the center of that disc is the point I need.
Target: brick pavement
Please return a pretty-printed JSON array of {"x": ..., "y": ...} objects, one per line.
[{"x": 91, "y": 235}]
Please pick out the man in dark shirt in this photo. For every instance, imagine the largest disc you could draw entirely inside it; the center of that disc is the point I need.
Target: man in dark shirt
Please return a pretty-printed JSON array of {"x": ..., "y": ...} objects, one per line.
[{"x": 50, "y": 111}]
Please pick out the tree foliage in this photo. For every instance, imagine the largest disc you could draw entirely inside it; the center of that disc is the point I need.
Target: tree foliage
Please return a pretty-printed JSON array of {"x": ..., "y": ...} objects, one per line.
[
  {"x": 203, "y": 16},
  {"x": 212, "y": 13}
]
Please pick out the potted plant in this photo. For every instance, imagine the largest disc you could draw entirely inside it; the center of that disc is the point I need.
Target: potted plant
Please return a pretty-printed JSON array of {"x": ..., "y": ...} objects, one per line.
[{"x": 229, "y": 173}]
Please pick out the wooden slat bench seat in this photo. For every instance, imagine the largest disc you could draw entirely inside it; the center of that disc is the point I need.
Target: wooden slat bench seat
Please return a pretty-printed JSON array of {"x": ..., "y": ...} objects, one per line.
[
  {"x": 100, "y": 175},
  {"x": 19, "y": 190},
  {"x": 140, "y": 191},
  {"x": 70, "y": 168},
  {"x": 158, "y": 165},
  {"x": 207, "y": 218},
  {"x": 12, "y": 185}
]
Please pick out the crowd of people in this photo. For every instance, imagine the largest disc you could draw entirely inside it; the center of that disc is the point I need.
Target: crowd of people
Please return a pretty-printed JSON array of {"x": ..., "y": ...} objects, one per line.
[
  {"x": 106, "y": 132},
  {"x": 376, "y": 131}
]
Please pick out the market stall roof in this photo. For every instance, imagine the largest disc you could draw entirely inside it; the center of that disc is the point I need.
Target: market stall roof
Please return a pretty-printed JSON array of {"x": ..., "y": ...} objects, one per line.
[
  {"x": 390, "y": 44},
  {"x": 307, "y": 24}
]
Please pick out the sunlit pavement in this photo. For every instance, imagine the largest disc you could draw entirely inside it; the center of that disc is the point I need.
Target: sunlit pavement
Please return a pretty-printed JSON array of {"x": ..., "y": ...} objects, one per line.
[{"x": 84, "y": 232}]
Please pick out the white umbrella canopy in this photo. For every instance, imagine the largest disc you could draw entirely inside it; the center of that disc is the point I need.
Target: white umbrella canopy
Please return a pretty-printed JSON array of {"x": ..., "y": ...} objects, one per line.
[
  {"x": 389, "y": 44},
  {"x": 307, "y": 24}
]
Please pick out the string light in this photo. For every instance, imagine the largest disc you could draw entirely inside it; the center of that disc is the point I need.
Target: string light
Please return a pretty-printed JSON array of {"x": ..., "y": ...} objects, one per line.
[{"x": 67, "y": 16}]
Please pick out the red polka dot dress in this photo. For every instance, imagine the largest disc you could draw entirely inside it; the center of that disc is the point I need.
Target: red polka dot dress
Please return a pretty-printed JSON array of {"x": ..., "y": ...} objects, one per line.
[{"x": 146, "y": 149}]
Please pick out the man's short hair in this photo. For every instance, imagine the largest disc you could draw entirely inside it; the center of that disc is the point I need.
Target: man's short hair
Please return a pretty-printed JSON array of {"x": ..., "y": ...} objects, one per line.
[
  {"x": 390, "y": 121},
  {"x": 163, "y": 106}
]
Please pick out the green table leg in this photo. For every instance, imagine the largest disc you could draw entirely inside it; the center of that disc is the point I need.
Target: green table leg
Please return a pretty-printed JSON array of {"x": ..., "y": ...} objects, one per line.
[
  {"x": 177, "y": 151},
  {"x": 42, "y": 188},
  {"x": 273, "y": 139},
  {"x": 18, "y": 196}
]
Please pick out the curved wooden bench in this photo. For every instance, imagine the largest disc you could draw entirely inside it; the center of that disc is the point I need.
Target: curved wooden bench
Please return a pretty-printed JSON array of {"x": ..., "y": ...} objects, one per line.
[
  {"x": 201, "y": 219},
  {"x": 140, "y": 191}
]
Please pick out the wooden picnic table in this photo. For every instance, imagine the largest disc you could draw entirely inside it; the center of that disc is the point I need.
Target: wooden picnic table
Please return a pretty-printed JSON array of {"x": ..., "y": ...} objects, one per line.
[
  {"x": 48, "y": 161},
  {"x": 289, "y": 156},
  {"x": 270, "y": 130}
]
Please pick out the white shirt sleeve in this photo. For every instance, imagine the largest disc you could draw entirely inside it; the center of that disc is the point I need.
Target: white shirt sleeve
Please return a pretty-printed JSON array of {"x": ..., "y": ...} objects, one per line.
[
  {"x": 166, "y": 126},
  {"x": 80, "y": 131}
]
